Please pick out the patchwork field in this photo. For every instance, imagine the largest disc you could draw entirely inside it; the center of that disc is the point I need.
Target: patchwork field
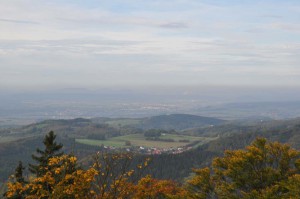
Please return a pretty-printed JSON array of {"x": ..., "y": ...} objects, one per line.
[{"x": 139, "y": 140}]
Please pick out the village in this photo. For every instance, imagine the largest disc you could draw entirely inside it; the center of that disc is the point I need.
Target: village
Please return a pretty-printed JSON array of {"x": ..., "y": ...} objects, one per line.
[{"x": 150, "y": 150}]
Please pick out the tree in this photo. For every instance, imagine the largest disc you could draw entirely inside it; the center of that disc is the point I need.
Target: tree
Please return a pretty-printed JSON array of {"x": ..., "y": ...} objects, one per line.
[
  {"x": 51, "y": 149},
  {"x": 117, "y": 174},
  {"x": 262, "y": 170},
  {"x": 19, "y": 173},
  {"x": 127, "y": 143},
  {"x": 292, "y": 185},
  {"x": 109, "y": 177},
  {"x": 149, "y": 188},
  {"x": 62, "y": 179},
  {"x": 152, "y": 133},
  {"x": 17, "y": 182},
  {"x": 201, "y": 185}
]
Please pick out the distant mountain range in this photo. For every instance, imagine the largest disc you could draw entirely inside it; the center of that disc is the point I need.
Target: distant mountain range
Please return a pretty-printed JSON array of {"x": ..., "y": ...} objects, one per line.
[{"x": 74, "y": 103}]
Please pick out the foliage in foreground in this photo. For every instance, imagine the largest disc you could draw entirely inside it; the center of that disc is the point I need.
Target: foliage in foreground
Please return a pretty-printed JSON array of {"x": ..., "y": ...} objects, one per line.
[
  {"x": 105, "y": 179},
  {"x": 262, "y": 170}
]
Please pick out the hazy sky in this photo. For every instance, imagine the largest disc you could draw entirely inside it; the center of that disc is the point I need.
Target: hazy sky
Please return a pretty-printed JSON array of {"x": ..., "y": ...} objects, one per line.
[{"x": 104, "y": 43}]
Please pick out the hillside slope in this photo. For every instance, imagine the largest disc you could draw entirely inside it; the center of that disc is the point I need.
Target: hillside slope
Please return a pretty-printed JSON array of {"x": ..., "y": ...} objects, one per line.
[
  {"x": 178, "y": 122},
  {"x": 230, "y": 136}
]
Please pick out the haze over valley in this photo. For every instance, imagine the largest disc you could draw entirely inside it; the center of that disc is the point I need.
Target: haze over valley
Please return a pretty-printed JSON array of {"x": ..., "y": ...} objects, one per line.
[{"x": 223, "y": 102}]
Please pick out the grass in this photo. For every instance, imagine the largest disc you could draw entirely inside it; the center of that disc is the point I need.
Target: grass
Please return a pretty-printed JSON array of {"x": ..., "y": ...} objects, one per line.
[
  {"x": 139, "y": 140},
  {"x": 5, "y": 139},
  {"x": 101, "y": 142},
  {"x": 12, "y": 138},
  {"x": 39, "y": 126}
]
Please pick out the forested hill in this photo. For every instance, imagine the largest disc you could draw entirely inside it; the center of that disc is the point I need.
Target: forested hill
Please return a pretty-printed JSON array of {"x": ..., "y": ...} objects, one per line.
[
  {"x": 19, "y": 143},
  {"x": 241, "y": 127},
  {"x": 281, "y": 131},
  {"x": 105, "y": 128},
  {"x": 16, "y": 145},
  {"x": 178, "y": 122},
  {"x": 167, "y": 122}
]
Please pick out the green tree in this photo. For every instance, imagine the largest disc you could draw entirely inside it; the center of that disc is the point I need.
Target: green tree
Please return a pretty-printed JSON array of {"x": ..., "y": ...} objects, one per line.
[
  {"x": 19, "y": 173},
  {"x": 51, "y": 149},
  {"x": 153, "y": 133}
]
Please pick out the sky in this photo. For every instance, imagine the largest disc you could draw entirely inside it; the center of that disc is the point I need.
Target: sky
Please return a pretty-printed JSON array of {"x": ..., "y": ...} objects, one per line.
[{"x": 128, "y": 43}]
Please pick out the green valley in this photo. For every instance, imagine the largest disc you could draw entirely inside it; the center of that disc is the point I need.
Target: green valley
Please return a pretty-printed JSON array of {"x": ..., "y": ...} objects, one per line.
[{"x": 138, "y": 140}]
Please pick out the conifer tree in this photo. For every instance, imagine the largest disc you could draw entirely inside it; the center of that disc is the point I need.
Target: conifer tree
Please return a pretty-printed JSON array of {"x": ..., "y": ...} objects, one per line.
[
  {"x": 51, "y": 149},
  {"x": 19, "y": 173},
  {"x": 18, "y": 181}
]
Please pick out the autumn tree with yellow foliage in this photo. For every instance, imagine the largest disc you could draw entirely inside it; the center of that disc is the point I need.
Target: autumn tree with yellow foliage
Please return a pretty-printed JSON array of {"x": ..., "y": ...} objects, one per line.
[
  {"x": 110, "y": 177},
  {"x": 149, "y": 188},
  {"x": 262, "y": 170},
  {"x": 59, "y": 181}
]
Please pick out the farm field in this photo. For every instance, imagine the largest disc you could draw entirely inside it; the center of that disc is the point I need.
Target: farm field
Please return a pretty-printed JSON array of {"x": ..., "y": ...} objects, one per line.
[
  {"x": 12, "y": 138},
  {"x": 6, "y": 139},
  {"x": 139, "y": 140}
]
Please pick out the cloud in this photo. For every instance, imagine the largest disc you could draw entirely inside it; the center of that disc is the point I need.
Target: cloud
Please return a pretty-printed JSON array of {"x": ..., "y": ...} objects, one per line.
[
  {"x": 272, "y": 16},
  {"x": 291, "y": 27},
  {"x": 146, "y": 42},
  {"x": 174, "y": 25},
  {"x": 18, "y": 21}
]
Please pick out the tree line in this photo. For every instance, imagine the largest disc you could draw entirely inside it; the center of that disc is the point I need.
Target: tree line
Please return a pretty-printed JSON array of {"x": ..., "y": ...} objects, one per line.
[{"x": 261, "y": 170}]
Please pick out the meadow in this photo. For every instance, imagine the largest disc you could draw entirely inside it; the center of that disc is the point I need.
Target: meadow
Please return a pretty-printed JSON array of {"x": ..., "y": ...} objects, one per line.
[{"x": 139, "y": 140}]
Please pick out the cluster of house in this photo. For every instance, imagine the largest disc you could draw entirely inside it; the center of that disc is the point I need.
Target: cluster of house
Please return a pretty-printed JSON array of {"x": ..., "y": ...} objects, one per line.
[
  {"x": 151, "y": 150},
  {"x": 158, "y": 151}
]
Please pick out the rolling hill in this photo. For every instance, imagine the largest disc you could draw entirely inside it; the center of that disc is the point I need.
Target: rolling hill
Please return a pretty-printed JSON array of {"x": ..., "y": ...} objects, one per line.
[
  {"x": 167, "y": 122},
  {"x": 19, "y": 143}
]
